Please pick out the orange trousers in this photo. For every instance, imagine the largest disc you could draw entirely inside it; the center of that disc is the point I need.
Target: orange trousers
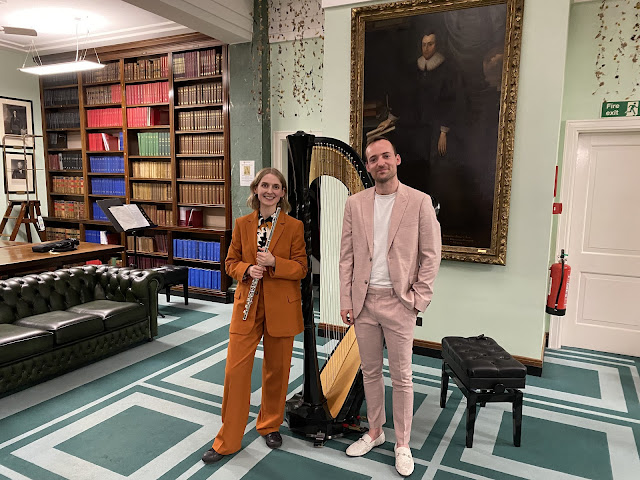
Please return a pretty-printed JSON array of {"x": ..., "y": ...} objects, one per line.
[{"x": 237, "y": 382}]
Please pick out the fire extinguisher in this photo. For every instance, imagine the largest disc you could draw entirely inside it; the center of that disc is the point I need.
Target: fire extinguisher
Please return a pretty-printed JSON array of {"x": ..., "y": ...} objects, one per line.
[{"x": 557, "y": 299}]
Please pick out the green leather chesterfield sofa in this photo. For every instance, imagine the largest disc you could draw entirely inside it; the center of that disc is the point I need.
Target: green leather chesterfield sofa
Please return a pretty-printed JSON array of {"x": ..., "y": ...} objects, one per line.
[{"x": 54, "y": 322}]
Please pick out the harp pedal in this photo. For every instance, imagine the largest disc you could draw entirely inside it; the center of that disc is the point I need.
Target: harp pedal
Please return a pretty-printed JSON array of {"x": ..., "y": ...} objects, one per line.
[
  {"x": 355, "y": 428},
  {"x": 319, "y": 439}
]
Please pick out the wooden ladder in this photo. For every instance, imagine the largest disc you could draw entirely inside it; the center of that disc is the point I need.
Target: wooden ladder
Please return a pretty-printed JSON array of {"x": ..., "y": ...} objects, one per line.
[{"x": 29, "y": 214}]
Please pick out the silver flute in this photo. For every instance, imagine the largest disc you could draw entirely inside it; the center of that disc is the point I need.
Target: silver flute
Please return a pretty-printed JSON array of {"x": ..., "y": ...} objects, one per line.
[{"x": 254, "y": 282}]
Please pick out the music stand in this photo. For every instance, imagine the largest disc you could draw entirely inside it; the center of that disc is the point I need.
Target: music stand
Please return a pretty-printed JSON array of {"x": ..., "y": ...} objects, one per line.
[{"x": 127, "y": 218}]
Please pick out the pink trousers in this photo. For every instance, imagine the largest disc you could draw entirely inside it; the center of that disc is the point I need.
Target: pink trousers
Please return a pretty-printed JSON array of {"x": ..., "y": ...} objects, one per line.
[{"x": 385, "y": 319}]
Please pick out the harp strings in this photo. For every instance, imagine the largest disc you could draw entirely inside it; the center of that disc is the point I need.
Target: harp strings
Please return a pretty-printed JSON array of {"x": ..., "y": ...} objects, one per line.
[{"x": 330, "y": 161}]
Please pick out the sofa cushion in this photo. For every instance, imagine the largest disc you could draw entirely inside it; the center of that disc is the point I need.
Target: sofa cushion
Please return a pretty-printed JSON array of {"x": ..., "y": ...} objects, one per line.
[
  {"x": 66, "y": 326},
  {"x": 114, "y": 314},
  {"x": 18, "y": 342}
]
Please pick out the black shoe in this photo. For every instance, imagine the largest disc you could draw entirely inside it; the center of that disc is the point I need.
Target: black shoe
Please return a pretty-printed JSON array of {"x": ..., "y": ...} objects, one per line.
[
  {"x": 211, "y": 456},
  {"x": 273, "y": 439}
]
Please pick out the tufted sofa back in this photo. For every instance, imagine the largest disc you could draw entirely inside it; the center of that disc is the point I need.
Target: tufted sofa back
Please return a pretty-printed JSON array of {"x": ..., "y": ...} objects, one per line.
[{"x": 59, "y": 290}]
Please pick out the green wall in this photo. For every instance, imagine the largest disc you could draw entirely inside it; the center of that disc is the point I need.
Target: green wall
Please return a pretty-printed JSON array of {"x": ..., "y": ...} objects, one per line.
[
  {"x": 504, "y": 302},
  {"x": 249, "y": 112},
  {"x": 583, "y": 96},
  {"x": 296, "y": 85},
  {"x": 24, "y": 86}
]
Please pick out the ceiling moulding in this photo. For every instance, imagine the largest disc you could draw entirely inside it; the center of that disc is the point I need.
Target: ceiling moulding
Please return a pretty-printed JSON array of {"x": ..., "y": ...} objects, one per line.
[
  {"x": 190, "y": 41},
  {"x": 144, "y": 32},
  {"x": 340, "y": 3},
  {"x": 229, "y": 22}
]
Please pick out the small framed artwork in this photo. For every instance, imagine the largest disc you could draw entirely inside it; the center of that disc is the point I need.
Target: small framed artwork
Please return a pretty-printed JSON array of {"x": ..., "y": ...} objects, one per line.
[
  {"x": 19, "y": 175},
  {"x": 17, "y": 120}
]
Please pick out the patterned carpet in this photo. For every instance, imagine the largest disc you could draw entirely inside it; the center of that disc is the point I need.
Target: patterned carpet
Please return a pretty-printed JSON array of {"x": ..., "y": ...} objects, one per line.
[{"x": 150, "y": 412}]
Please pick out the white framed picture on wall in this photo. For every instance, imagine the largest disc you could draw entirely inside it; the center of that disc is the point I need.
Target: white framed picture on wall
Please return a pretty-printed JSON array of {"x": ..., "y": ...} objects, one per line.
[{"x": 17, "y": 120}]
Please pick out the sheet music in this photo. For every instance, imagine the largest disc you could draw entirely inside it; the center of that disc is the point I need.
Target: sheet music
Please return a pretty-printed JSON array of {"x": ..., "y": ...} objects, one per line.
[{"x": 129, "y": 217}]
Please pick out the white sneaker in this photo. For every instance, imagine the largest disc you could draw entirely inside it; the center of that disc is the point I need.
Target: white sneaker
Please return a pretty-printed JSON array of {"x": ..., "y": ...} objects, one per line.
[
  {"x": 404, "y": 460},
  {"x": 364, "y": 445}
]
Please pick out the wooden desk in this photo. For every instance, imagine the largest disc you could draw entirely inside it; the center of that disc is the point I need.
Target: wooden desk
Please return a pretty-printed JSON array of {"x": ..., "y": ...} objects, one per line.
[
  {"x": 9, "y": 243},
  {"x": 18, "y": 259}
]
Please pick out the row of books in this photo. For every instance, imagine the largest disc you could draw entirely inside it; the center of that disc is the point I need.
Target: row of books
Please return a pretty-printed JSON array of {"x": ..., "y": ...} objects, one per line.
[
  {"x": 106, "y": 163},
  {"x": 148, "y": 244},
  {"x": 147, "y": 69},
  {"x": 197, "y": 94},
  {"x": 201, "y": 193},
  {"x": 151, "y": 191},
  {"x": 196, "y": 249},
  {"x": 157, "y": 92},
  {"x": 147, "y": 262},
  {"x": 104, "y": 117},
  {"x": 54, "y": 233},
  {"x": 158, "y": 215},
  {"x": 190, "y": 217},
  {"x": 201, "y": 278},
  {"x": 65, "y": 161},
  {"x": 200, "y": 120},
  {"x": 60, "y": 96},
  {"x": 60, "y": 79},
  {"x": 108, "y": 186},
  {"x": 67, "y": 184},
  {"x": 152, "y": 144},
  {"x": 197, "y": 144},
  {"x": 97, "y": 212},
  {"x": 101, "y": 236},
  {"x": 105, "y": 142},
  {"x": 63, "y": 119},
  {"x": 68, "y": 209},
  {"x": 110, "y": 73},
  {"x": 206, "y": 169},
  {"x": 56, "y": 140},
  {"x": 103, "y": 94},
  {"x": 147, "y": 169},
  {"x": 147, "y": 117},
  {"x": 199, "y": 63}
]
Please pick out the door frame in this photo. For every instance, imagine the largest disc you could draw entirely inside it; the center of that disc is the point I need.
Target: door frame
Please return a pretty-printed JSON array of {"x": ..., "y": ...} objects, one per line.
[{"x": 573, "y": 130}]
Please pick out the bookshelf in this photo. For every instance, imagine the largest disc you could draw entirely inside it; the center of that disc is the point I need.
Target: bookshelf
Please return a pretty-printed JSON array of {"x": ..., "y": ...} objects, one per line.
[{"x": 151, "y": 128}]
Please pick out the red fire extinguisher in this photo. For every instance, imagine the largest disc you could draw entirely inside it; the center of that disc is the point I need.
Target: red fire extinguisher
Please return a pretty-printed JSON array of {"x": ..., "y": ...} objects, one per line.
[{"x": 557, "y": 299}]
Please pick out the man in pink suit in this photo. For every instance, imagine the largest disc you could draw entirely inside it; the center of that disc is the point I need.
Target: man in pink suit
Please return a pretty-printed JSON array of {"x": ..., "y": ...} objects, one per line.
[{"x": 389, "y": 258}]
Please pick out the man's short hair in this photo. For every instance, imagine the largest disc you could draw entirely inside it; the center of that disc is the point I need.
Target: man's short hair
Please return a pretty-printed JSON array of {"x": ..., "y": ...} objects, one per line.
[{"x": 375, "y": 139}]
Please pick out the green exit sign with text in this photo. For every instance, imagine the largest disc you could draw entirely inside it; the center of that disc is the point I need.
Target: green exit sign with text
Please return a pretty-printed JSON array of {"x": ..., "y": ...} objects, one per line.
[{"x": 620, "y": 109}]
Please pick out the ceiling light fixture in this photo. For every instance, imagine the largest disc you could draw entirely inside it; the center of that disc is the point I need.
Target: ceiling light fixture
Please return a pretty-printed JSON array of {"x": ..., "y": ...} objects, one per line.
[{"x": 80, "y": 64}]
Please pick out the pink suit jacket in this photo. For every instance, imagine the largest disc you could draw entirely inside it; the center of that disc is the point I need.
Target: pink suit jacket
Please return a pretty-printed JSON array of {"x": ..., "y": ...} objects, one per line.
[{"x": 414, "y": 248}]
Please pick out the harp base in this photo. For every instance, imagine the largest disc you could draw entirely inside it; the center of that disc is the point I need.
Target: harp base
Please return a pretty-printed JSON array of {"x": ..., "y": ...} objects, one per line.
[{"x": 314, "y": 421}]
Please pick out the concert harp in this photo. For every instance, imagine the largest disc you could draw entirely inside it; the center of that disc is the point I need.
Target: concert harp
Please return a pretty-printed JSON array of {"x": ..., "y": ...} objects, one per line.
[{"x": 331, "y": 398}]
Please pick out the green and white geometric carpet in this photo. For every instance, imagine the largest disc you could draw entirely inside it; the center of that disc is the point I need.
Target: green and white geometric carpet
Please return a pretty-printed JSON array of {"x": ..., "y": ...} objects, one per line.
[{"x": 150, "y": 412}]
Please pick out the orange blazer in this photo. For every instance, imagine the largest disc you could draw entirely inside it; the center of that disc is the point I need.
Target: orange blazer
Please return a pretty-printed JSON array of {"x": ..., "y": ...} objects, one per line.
[{"x": 280, "y": 284}]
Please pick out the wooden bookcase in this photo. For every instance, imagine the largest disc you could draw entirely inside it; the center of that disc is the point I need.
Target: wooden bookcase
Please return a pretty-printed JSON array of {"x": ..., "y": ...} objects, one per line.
[{"x": 151, "y": 128}]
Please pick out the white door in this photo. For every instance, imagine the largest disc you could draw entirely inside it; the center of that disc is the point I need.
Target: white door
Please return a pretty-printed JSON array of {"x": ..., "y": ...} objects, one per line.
[{"x": 603, "y": 242}]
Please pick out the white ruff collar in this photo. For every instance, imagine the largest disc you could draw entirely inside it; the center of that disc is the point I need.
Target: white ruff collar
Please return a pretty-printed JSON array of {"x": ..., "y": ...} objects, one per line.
[{"x": 434, "y": 62}]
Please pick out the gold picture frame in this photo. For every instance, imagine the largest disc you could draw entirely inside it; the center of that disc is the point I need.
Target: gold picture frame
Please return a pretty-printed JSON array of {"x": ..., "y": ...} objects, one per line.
[{"x": 439, "y": 78}]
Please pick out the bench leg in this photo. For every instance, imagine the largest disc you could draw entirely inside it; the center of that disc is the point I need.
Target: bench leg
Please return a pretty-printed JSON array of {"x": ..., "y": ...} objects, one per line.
[
  {"x": 185, "y": 287},
  {"x": 517, "y": 418},
  {"x": 444, "y": 385},
  {"x": 167, "y": 289},
  {"x": 471, "y": 418}
]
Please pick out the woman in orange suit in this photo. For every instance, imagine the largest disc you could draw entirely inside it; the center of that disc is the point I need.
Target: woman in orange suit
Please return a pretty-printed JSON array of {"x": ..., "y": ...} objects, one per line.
[{"x": 275, "y": 315}]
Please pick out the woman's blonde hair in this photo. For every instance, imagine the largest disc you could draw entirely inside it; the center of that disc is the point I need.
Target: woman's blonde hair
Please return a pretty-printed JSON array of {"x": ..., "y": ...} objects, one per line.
[{"x": 253, "y": 201}]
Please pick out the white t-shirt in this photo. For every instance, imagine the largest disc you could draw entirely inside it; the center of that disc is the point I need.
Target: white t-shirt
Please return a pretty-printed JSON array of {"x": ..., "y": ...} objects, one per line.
[{"x": 383, "y": 205}]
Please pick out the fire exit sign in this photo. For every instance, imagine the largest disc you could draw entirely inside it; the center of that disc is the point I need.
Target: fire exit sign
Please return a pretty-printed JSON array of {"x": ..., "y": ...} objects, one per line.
[{"x": 620, "y": 109}]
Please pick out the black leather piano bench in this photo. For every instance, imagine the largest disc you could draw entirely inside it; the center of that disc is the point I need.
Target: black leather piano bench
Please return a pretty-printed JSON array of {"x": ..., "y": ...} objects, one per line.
[
  {"x": 484, "y": 372},
  {"x": 174, "y": 275}
]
